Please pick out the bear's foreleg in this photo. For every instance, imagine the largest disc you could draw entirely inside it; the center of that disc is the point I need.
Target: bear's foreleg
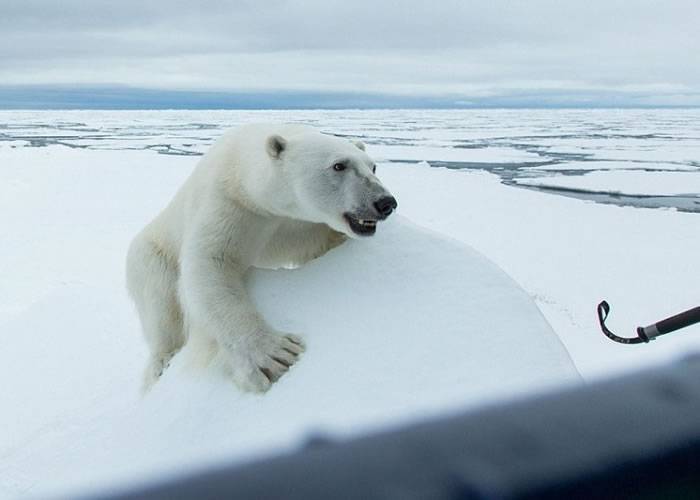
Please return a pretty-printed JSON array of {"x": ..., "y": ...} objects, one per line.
[
  {"x": 216, "y": 304},
  {"x": 152, "y": 277}
]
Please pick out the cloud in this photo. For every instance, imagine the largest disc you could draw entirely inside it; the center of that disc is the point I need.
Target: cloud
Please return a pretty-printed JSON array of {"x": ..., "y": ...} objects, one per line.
[{"x": 451, "y": 47}]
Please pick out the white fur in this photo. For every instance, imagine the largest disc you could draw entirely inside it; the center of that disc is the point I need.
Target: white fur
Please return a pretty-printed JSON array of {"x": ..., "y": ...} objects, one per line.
[{"x": 264, "y": 196}]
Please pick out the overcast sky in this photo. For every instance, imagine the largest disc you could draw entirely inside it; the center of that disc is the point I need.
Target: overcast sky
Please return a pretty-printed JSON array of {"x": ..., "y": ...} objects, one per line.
[{"x": 648, "y": 50}]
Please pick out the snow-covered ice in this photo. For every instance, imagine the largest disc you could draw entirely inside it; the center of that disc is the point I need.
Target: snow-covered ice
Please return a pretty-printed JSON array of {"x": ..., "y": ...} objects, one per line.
[
  {"x": 72, "y": 353},
  {"x": 630, "y": 183},
  {"x": 605, "y": 165},
  {"x": 494, "y": 155}
]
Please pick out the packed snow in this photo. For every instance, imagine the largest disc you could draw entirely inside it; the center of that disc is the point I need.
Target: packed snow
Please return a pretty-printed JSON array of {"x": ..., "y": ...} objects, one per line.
[{"x": 409, "y": 324}]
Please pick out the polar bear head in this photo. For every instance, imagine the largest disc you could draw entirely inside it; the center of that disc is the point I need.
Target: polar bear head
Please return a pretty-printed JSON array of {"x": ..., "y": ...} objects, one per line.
[{"x": 333, "y": 181}]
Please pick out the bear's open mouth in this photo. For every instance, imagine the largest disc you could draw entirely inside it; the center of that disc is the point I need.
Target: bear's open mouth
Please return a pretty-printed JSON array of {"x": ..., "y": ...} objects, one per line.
[{"x": 363, "y": 227}]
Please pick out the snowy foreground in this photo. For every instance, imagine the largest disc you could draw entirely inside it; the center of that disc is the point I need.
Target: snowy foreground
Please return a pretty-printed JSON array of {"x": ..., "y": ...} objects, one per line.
[{"x": 406, "y": 325}]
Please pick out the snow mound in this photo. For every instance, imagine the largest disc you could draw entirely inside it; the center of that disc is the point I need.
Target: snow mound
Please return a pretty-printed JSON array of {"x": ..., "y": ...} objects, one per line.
[
  {"x": 405, "y": 325},
  {"x": 406, "y": 321}
]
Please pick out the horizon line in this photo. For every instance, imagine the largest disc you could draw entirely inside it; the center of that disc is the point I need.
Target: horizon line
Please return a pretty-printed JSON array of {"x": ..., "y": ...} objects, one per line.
[
  {"x": 363, "y": 108},
  {"x": 62, "y": 97}
]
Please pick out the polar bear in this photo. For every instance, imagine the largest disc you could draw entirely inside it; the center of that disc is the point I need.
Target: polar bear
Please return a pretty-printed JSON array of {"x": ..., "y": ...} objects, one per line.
[{"x": 263, "y": 196}]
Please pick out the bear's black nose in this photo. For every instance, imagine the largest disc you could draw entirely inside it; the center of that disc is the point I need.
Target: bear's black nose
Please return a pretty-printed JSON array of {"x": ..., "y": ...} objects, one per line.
[{"x": 385, "y": 206}]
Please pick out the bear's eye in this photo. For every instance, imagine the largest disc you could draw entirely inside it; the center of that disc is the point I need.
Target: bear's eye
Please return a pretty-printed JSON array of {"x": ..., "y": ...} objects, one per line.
[
  {"x": 374, "y": 169},
  {"x": 339, "y": 167}
]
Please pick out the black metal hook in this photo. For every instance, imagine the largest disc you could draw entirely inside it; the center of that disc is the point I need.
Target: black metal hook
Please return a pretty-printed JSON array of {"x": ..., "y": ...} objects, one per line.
[{"x": 648, "y": 333}]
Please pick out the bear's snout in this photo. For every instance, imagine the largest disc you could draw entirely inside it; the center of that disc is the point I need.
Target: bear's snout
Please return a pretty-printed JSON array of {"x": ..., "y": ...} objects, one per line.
[{"x": 385, "y": 206}]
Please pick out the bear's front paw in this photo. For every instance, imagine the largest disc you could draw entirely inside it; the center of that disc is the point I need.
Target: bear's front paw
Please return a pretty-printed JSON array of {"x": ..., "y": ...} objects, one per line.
[{"x": 261, "y": 359}]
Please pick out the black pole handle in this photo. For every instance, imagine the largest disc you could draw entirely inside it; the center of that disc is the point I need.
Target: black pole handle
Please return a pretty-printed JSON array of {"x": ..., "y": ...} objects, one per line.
[
  {"x": 668, "y": 325},
  {"x": 648, "y": 333}
]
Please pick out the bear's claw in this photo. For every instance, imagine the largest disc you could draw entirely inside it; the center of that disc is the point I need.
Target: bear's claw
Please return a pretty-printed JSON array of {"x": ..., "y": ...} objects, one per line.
[{"x": 264, "y": 359}]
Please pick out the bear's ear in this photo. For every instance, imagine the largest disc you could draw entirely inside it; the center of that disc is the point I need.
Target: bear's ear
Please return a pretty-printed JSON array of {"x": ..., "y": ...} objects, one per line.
[
  {"x": 275, "y": 145},
  {"x": 360, "y": 145}
]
